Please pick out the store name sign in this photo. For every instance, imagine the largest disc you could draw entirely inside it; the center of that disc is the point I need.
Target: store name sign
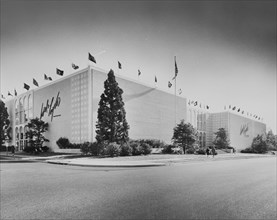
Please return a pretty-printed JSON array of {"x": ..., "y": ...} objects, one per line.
[
  {"x": 50, "y": 106},
  {"x": 244, "y": 129}
]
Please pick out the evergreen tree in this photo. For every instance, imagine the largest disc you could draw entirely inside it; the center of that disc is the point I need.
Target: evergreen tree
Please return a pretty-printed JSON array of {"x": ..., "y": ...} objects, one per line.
[
  {"x": 221, "y": 140},
  {"x": 37, "y": 128},
  {"x": 4, "y": 122},
  {"x": 271, "y": 140},
  {"x": 111, "y": 125},
  {"x": 259, "y": 144},
  {"x": 184, "y": 135}
]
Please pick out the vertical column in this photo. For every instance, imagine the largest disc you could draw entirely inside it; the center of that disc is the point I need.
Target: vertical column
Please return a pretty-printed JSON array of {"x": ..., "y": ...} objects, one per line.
[{"x": 90, "y": 84}]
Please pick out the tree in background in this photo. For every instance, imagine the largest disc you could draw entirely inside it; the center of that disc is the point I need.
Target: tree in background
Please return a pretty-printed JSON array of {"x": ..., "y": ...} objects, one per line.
[
  {"x": 259, "y": 144},
  {"x": 221, "y": 140},
  {"x": 184, "y": 135},
  {"x": 4, "y": 122},
  {"x": 111, "y": 125},
  {"x": 271, "y": 140},
  {"x": 37, "y": 128}
]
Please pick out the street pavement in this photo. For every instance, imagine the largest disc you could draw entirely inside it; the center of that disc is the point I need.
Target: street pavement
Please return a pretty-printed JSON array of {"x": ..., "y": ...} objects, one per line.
[{"x": 218, "y": 189}]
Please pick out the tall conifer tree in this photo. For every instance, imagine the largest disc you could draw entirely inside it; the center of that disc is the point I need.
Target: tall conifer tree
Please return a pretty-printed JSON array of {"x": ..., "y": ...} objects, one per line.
[
  {"x": 111, "y": 125},
  {"x": 4, "y": 121}
]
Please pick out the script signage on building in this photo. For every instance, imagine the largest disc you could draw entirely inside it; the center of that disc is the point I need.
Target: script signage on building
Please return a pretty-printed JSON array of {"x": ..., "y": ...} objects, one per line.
[
  {"x": 50, "y": 106},
  {"x": 244, "y": 129}
]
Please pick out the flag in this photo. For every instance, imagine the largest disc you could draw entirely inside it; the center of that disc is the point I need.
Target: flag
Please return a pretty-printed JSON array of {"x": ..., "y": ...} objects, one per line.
[
  {"x": 91, "y": 58},
  {"x": 139, "y": 72},
  {"x": 119, "y": 65},
  {"x": 75, "y": 66},
  {"x": 59, "y": 72},
  {"x": 2, "y": 96},
  {"x": 47, "y": 78},
  {"x": 176, "y": 69},
  {"x": 156, "y": 79},
  {"x": 180, "y": 92},
  {"x": 15, "y": 92},
  {"x": 26, "y": 86},
  {"x": 169, "y": 84},
  {"x": 9, "y": 93},
  {"x": 35, "y": 82}
]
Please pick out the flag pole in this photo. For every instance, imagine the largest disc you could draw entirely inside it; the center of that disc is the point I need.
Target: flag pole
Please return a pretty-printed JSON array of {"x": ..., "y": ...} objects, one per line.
[{"x": 175, "y": 87}]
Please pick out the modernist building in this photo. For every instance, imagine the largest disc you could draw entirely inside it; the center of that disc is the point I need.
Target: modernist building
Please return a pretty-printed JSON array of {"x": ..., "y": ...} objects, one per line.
[
  {"x": 70, "y": 106},
  {"x": 241, "y": 130}
]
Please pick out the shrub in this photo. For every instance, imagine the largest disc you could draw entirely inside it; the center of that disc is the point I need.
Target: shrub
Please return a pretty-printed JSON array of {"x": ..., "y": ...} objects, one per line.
[
  {"x": 201, "y": 151},
  {"x": 167, "y": 149},
  {"x": 136, "y": 148},
  {"x": 146, "y": 148},
  {"x": 85, "y": 148},
  {"x": 247, "y": 150},
  {"x": 74, "y": 146},
  {"x": 154, "y": 143},
  {"x": 31, "y": 149},
  {"x": 112, "y": 149},
  {"x": 95, "y": 148},
  {"x": 63, "y": 143},
  {"x": 190, "y": 151},
  {"x": 45, "y": 149},
  {"x": 126, "y": 150},
  {"x": 3, "y": 148}
]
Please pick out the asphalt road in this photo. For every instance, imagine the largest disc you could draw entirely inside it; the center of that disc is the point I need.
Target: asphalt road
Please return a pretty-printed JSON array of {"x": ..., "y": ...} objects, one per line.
[{"x": 231, "y": 189}]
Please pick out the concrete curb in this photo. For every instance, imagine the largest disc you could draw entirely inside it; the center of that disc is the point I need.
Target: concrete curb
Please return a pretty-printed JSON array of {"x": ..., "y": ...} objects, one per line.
[
  {"x": 163, "y": 162},
  {"x": 107, "y": 165}
]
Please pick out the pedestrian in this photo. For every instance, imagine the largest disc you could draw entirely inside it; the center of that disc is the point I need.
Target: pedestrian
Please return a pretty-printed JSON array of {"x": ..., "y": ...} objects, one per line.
[
  {"x": 12, "y": 150},
  {"x": 213, "y": 151},
  {"x": 208, "y": 151}
]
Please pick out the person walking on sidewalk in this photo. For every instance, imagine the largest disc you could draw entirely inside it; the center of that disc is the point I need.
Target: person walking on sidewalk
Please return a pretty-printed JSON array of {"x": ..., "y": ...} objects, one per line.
[
  {"x": 12, "y": 150},
  {"x": 213, "y": 151},
  {"x": 208, "y": 151}
]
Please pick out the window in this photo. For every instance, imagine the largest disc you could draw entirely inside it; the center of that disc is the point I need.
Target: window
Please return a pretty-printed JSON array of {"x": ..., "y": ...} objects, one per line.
[
  {"x": 21, "y": 111},
  {"x": 16, "y": 112},
  {"x": 30, "y": 107},
  {"x": 16, "y": 134},
  {"x": 25, "y": 106}
]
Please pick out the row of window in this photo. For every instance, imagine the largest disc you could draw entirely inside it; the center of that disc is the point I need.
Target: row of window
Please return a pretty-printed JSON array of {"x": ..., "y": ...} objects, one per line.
[
  {"x": 23, "y": 109},
  {"x": 197, "y": 119},
  {"x": 21, "y": 137},
  {"x": 202, "y": 139}
]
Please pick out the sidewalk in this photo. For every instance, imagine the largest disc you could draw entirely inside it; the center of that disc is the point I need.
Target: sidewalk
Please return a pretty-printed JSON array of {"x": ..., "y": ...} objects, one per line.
[{"x": 150, "y": 160}]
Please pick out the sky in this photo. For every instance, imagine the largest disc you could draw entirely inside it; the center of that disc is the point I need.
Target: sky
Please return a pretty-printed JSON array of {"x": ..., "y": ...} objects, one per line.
[{"x": 225, "y": 50}]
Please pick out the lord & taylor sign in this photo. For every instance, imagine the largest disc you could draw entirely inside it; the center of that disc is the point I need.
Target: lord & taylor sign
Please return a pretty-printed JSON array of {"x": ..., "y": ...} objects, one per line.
[{"x": 50, "y": 107}]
